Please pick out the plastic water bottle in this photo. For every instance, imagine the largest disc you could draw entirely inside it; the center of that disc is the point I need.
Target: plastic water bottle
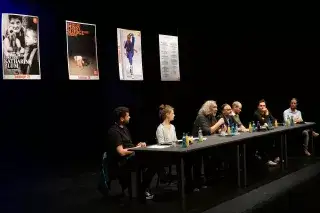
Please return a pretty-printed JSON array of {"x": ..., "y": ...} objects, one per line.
[
  {"x": 200, "y": 135},
  {"x": 258, "y": 125},
  {"x": 184, "y": 142},
  {"x": 291, "y": 121},
  {"x": 253, "y": 126}
]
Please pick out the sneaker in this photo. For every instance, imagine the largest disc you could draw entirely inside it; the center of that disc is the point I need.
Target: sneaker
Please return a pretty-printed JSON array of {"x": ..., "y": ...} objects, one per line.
[
  {"x": 271, "y": 163},
  {"x": 307, "y": 153},
  {"x": 314, "y": 134},
  {"x": 196, "y": 190},
  {"x": 148, "y": 195},
  {"x": 277, "y": 160},
  {"x": 204, "y": 186}
]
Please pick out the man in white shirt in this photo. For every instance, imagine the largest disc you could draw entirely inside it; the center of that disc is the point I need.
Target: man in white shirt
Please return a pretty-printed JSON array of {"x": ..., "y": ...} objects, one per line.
[{"x": 297, "y": 118}]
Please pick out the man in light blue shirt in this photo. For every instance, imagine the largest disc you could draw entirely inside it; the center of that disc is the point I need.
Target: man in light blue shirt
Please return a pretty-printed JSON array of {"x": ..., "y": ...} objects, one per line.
[{"x": 297, "y": 118}]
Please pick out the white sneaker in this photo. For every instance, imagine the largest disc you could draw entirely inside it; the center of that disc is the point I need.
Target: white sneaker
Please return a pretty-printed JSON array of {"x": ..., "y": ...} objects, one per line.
[
  {"x": 271, "y": 163},
  {"x": 196, "y": 190},
  {"x": 148, "y": 195},
  {"x": 277, "y": 160}
]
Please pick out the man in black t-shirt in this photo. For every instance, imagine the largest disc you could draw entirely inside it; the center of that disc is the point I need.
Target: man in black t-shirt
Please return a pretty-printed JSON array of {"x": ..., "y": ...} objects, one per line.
[{"x": 118, "y": 145}]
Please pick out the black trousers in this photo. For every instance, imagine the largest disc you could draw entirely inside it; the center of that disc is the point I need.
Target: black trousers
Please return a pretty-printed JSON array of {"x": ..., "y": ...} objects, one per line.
[
  {"x": 193, "y": 165},
  {"x": 267, "y": 149},
  {"x": 125, "y": 169}
]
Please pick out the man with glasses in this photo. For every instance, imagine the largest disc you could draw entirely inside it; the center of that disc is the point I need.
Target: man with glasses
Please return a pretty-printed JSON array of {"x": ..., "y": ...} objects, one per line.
[{"x": 297, "y": 118}]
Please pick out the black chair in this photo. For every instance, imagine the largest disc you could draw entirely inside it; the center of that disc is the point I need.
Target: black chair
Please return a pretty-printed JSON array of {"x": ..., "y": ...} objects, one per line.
[{"x": 110, "y": 171}]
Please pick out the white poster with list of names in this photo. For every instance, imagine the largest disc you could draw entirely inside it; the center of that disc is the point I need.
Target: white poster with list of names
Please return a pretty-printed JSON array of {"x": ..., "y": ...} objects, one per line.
[{"x": 169, "y": 58}]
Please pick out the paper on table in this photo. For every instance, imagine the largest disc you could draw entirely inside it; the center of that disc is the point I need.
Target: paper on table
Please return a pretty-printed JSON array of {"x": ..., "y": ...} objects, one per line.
[{"x": 158, "y": 146}]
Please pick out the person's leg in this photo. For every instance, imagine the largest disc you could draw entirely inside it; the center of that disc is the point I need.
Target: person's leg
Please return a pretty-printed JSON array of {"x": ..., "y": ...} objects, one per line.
[
  {"x": 188, "y": 173},
  {"x": 305, "y": 135},
  {"x": 197, "y": 174}
]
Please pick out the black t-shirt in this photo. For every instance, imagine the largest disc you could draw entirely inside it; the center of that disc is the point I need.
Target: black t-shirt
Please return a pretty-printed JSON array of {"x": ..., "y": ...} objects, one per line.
[
  {"x": 117, "y": 136},
  {"x": 205, "y": 123}
]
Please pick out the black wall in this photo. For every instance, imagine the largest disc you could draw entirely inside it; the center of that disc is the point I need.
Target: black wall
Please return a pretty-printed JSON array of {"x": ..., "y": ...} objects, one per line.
[{"x": 60, "y": 124}]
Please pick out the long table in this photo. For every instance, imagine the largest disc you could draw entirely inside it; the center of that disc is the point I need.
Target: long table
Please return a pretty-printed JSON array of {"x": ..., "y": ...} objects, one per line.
[{"x": 148, "y": 156}]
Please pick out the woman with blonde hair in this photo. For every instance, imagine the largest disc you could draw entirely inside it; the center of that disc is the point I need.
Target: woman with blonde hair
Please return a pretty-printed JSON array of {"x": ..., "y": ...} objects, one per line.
[{"x": 166, "y": 132}]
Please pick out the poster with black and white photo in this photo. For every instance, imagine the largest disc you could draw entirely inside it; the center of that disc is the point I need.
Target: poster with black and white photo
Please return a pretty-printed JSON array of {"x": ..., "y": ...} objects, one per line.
[
  {"x": 20, "y": 46},
  {"x": 169, "y": 58},
  {"x": 82, "y": 51}
]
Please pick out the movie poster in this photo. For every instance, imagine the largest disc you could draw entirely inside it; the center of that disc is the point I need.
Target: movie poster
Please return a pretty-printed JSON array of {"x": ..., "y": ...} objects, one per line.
[
  {"x": 82, "y": 51},
  {"x": 20, "y": 47},
  {"x": 130, "y": 55},
  {"x": 169, "y": 58}
]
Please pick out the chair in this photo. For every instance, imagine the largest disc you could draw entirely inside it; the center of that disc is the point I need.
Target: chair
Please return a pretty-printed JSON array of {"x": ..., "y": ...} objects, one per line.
[{"x": 107, "y": 175}]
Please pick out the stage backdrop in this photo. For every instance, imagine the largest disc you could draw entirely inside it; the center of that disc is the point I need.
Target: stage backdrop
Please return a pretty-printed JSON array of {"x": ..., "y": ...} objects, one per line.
[
  {"x": 129, "y": 54},
  {"x": 20, "y": 46},
  {"x": 82, "y": 51},
  {"x": 169, "y": 58}
]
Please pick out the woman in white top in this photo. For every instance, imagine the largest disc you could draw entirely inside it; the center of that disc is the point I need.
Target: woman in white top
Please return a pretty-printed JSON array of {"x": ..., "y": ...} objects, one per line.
[{"x": 166, "y": 132}]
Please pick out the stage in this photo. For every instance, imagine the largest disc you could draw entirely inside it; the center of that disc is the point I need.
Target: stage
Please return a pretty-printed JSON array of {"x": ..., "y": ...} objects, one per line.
[{"x": 76, "y": 191}]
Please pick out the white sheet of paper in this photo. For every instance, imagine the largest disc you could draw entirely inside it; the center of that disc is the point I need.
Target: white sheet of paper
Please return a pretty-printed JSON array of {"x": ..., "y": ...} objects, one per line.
[{"x": 158, "y": 146}]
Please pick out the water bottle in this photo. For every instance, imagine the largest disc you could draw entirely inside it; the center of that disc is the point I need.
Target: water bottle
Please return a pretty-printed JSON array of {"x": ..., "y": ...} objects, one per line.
[
  {"x": 184, "y": 142},
  {"x": 253, "y": 126},
  {"x": 291, "y": 121},
  {"x": 235, "y": 129},
  {"x": 200, "y": 135},
  {"x": 258, "y": 125},
  {"x": 288, "y": 121},
  {"x": 250, "y": 127}
]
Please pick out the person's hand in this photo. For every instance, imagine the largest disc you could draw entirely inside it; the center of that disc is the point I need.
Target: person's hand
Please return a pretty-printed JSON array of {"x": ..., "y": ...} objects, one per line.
[
  {"x": 221, "y": 121},
  {"x": 266, "y": 112},
  {"x": 142, "y": 144}
]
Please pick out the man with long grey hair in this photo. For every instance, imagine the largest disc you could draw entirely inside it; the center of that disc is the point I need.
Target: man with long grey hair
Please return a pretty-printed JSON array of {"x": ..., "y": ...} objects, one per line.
[
  {"x": 206, "y": 119},
  {"x": 207, "y": 122}
]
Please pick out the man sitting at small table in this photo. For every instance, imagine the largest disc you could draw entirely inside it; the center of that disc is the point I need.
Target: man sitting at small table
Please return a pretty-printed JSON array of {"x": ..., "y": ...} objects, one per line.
[
  {"x": 297, "y": 118},
  {"x": 119, "y": 143}
]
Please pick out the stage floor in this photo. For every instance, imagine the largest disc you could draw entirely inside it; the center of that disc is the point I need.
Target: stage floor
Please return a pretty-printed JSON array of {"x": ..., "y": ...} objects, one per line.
[{"x": 77, "y": 193}]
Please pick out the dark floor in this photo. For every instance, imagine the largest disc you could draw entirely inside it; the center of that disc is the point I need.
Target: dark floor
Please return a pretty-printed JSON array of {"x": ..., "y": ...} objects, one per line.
[
  {"x": 77, "y": 193},
  {"x": 304, "y": 198}
]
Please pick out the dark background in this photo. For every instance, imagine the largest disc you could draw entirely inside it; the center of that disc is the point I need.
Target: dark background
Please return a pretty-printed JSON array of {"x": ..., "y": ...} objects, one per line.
[{"x": 60, "y": 125}]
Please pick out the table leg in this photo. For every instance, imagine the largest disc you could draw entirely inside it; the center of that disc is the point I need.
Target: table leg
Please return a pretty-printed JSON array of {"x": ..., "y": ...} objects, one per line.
[
  {"x": 180, "y": 170},
  {"x": 244, "y": 165},
  {"x": 285, "y": 150},
  {"x": 238, "y": 166},
  {"x": 282, "y": 152},
  {"x": 140, "y": 194},
  {"x": 312, "y": 144}
]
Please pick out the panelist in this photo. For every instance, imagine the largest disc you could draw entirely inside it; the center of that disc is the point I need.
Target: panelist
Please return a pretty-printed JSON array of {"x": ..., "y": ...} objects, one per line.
[
  {"x": 297, "y": 118},
  {"x": 166, "y": 132},
  {"x": 236, "y": 109},
  {"x": 266, "y": 150},
  {"x": 118, "y": 145}
]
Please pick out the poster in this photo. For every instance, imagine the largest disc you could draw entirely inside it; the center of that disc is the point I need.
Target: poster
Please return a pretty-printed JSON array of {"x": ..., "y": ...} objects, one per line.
[
  {"x": 129, "y": 55},
  {"x": 20, "y": 46},
  {"x": 82, "y": 51},
  {"x": 169, "y": 58}
]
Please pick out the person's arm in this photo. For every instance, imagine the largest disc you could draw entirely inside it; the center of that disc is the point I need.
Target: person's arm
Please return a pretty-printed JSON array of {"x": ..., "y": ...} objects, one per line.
[
  {"x": 133, "y": 40},
  {"x": 285, "y": 115},
  {"x": 300, "y": 117},
  {"x": 159, "y": 134},
  {"x": 217, "y": 125},
  {"x": 115, "y": 138},
  {"x": 175, "y": 134},
  {"x": 258, "y": 117},
  {"x": 122, "y": 151}
]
